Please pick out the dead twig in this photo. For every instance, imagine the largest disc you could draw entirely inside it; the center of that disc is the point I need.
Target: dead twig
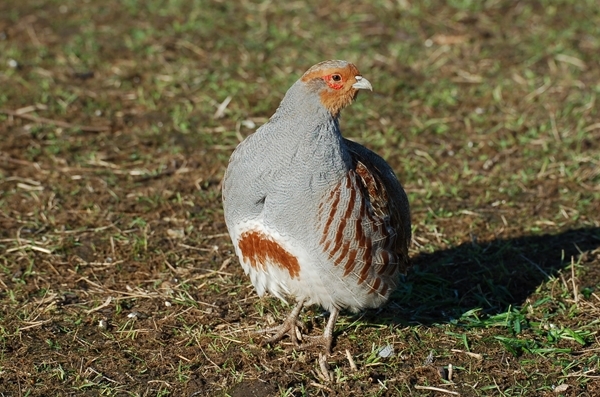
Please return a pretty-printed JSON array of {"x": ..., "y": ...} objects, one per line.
[
  {"x": 471, "y": 354},
  {"x": 320, "y": 386},
  {"x": 35, "y": 324},
  {"x": 351, "y": 361},
  {"x": 436, "y": 389},
  {"x": 582, "y": 374},
  {"x": 32, "y": 247},
  {"x": 324, "y": 367},
  {"x": 58, "y": 123},
  {"x": 222, "y": 107},
  {"x": 574, "y": 282},
  {"x": 102, "y": 306}
]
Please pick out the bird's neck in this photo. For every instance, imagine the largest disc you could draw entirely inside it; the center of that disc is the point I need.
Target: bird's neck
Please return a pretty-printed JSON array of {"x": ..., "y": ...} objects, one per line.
[
  {"x": 303, "y": 133},
  {"x": 301, "y": 115}
]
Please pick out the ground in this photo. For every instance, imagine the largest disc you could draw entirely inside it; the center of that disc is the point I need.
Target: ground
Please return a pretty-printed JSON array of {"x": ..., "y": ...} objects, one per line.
[{"x": 117, "y": 119}]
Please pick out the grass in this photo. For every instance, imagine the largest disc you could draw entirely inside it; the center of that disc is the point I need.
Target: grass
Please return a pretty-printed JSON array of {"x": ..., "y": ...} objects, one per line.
[{"x": 116, "y": 273}]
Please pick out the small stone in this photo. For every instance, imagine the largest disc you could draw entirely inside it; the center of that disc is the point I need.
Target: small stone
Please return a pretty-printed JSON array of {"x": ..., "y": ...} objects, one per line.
[
  {"x": 176, "y": 233},
  {"x": 249, "y": 124},
  {"x": 386, "y": 351},
  {"x": 561, "y": 388}
]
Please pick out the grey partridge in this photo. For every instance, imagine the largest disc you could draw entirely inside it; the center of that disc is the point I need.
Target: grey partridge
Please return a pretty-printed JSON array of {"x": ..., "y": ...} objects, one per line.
[{"x": 314, "y": 217}]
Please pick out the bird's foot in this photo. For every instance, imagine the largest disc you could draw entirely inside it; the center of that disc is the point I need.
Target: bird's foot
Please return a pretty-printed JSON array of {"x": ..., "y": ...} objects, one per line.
[
  {"x": 325, "y": 341},
  {"x": 290, "y": 327}
]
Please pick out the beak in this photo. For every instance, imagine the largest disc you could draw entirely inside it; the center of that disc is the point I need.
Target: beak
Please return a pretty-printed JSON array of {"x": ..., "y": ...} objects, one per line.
[{"x": 362, "y": 83}]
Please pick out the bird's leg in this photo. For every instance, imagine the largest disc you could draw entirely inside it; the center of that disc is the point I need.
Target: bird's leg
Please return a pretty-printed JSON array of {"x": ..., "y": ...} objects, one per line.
[
  {"x": 290, "y": 326},
  {"x": 326, "y": 340}
]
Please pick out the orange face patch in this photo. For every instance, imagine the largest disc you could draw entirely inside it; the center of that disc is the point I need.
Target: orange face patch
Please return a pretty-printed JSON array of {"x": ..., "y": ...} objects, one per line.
[
  {"x": 340, "y": 79},
  {"x": 257, "y": 248}
]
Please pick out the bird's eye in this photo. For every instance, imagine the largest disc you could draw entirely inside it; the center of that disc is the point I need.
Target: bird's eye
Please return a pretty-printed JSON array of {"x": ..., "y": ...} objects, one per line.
[{"x": 336, "y": 77}]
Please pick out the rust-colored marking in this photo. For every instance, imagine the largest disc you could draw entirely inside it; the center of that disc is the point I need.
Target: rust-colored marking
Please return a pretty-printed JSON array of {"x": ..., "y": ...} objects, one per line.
[
  {"x": 368, "y": 179},
  {"x": 339, "y": 234},
  {"x": 375, "y": 285},
  {"x": 374, "y": 184},
  {"x": 384, "y": 290},
  {"x": 334, "y": 205},
  {"x": 368, "y": 258},
  {"x": 341, "y": 254},
  {"x": 360, "y": 232},
  {"x": 351, "y": 262},
  {"x": 257, "y": 248},
  {"x": 360, "y": 235}
]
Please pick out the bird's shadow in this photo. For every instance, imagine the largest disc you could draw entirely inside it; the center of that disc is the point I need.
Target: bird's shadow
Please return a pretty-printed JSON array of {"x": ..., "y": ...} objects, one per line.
[{"x": 488, "y": 277}]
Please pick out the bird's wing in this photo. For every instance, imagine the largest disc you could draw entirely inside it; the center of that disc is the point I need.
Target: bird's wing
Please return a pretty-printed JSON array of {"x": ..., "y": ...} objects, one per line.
[
  {"x": 385, "y": 195},
  {"x": 364, "y": 223}
]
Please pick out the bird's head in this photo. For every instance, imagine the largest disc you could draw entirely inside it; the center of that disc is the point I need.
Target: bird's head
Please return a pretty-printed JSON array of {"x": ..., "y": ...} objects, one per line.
[{"x": 336, "y": 82}]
